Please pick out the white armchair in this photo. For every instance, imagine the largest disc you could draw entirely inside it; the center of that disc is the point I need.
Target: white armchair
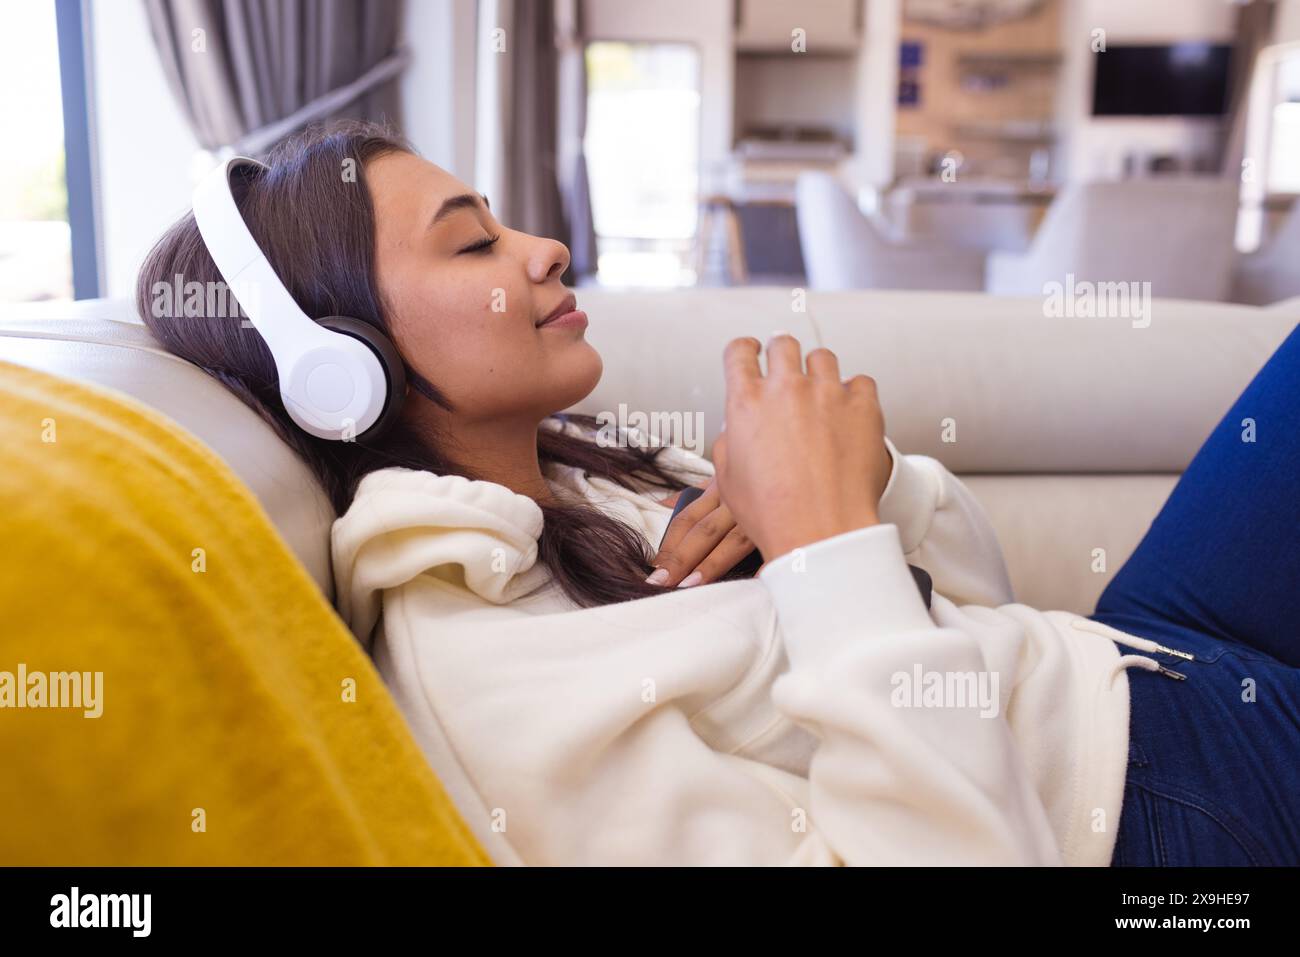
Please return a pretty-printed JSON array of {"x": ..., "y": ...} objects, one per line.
[
  {"x": 1175, "y": 234},
  {"x": 1273, "y": 273},
  {"x": 843, "y": 250}
]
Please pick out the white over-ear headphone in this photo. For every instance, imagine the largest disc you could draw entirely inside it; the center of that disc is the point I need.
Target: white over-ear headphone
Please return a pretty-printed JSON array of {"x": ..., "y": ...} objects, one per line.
[{"x": 340, "y": 378}]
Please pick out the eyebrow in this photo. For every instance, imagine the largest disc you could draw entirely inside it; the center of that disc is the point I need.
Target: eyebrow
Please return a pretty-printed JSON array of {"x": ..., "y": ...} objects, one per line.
[{"x": 454, "y": 203}]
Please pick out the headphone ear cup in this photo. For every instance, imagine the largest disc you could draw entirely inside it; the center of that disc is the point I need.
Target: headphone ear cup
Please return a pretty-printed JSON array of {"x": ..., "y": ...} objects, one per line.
[{"x": 389, "y": 359}]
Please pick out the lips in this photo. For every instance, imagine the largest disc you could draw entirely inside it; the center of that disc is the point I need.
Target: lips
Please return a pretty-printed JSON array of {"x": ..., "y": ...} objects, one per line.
[{"x": 566, "y": 306}]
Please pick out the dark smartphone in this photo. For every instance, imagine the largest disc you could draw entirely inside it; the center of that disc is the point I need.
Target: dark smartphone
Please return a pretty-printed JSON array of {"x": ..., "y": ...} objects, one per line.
[{"x": 748, "y": 566}]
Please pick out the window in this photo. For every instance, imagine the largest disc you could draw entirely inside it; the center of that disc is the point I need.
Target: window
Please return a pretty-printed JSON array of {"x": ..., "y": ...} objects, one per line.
[
  {"x": 1284, "y": 143},
  {"x": 642, "y": 147},
  {"x": 47, "y": 247},
  {"x": 1271, "y": 167}
]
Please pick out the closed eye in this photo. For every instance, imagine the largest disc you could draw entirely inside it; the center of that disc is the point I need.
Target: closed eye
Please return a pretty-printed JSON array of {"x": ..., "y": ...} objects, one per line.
[{"x": 482, "y": 244}]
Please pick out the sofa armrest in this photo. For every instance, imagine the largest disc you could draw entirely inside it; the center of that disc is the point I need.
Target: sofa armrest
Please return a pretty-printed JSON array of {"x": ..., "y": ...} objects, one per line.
[{"x": 222, "y": 713}]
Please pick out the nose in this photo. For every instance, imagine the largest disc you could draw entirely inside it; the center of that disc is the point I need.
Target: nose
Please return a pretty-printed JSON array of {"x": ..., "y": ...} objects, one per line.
[{"x": 549, "y": 259}]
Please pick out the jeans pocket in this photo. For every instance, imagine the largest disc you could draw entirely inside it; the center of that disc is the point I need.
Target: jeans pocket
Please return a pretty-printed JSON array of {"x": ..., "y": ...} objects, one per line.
[
  {"x": 1182, "y": 829},
  {"x": 1210, "y": 655}
]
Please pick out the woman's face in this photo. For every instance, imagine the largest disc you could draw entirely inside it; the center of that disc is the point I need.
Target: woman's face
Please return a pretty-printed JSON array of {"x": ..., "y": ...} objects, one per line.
[{"x": 463, "y": 311}]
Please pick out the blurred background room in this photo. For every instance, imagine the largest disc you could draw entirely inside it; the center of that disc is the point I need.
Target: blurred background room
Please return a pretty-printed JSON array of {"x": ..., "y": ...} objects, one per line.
[{"x": 891, "y": 144}]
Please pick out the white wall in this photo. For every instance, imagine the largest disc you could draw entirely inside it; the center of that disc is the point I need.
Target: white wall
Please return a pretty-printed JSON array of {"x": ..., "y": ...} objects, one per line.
[
  {"x": 438, "y": 87},
  {"x": 872, "y": 164},
  {"x": 1092, "y": 148},
  {"x": 145, "y": 149},
  {"x": 1286, "y": 22},
  {"x": 1160, "y": 21}
]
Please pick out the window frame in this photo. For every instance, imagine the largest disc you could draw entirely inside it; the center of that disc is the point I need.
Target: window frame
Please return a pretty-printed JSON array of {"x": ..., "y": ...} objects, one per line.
[{"x": 73, "y": 28}]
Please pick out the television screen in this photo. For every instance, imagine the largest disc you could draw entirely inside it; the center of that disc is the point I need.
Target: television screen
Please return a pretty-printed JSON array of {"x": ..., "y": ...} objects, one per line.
[{"x": 1184, "y": 79}]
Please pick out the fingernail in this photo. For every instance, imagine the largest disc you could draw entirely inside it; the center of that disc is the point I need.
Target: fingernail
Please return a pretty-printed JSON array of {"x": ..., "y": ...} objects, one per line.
[
  {"x": 658, "y": 576},
  {"x": 694, "y": 578}
]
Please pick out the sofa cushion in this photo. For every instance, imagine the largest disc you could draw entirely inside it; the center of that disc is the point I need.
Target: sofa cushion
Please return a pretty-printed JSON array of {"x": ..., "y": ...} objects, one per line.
[{"x": 1026, "y": 393}]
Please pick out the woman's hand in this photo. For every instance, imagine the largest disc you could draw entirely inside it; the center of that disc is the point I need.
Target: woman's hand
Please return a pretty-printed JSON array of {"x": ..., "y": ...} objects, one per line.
[
  {"x": 702, "y": 544},
  {"x": 803, "y": 456},
  {"x": 671, "y": 500}
]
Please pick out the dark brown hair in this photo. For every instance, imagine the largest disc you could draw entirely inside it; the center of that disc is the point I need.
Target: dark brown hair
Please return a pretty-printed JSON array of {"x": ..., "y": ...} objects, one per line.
[{"x": 326, "y": 261}]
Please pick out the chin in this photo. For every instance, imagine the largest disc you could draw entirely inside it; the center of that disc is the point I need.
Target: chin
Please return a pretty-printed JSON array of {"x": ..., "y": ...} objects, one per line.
[{"x": 581, "y": 377}]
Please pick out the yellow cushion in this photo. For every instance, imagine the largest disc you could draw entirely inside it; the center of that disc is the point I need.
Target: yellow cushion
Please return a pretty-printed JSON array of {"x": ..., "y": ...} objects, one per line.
[{"x": 227, "y": 734}]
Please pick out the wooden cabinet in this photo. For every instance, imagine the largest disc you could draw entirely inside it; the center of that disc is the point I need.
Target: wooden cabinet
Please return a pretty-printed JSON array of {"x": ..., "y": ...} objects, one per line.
[{"x": 828, "y": 25}]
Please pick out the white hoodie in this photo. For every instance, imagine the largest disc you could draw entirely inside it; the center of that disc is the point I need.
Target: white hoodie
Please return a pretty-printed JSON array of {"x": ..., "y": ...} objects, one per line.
[{"x": 796, "y": 718}]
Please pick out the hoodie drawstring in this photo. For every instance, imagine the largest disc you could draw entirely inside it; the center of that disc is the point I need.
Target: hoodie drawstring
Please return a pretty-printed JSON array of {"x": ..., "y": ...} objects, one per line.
[{"x": 1132, "y": 641}]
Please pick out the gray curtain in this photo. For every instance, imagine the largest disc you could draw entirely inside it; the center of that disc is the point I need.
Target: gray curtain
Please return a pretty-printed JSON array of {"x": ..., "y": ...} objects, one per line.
[
  {"x": 532, "y": 130},
  {"x": 1254, "y": 31},
  {"x": 574, "y": 185},
  {"x": 247, "y": 72}
]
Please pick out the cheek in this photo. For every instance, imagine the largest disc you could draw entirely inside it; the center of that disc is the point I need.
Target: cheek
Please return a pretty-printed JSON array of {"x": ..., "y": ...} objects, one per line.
[{"x": 472, "y": 340}]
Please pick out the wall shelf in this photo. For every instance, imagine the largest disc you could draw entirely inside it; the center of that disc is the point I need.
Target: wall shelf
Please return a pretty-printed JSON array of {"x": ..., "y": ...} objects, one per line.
[{"x": 1008, "y": 61}]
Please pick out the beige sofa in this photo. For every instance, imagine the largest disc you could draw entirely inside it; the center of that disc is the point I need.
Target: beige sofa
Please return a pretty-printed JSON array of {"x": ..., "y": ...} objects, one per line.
[{"x": 1070, "y": 431}]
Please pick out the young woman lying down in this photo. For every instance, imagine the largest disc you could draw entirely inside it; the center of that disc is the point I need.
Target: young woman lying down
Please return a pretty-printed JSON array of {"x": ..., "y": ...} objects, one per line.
[{"x": 590, "y": 697}]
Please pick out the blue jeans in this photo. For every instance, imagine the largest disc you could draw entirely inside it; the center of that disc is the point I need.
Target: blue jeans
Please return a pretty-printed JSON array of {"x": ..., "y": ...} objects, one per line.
[{"x": 1214, "y": 761}]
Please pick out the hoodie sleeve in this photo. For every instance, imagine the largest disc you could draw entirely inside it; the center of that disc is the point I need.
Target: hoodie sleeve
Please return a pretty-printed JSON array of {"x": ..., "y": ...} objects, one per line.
[
  {"x": 943, "y": 528},
  {"x": 941, "y": 525},
  {"x": 893, "y": 782}
]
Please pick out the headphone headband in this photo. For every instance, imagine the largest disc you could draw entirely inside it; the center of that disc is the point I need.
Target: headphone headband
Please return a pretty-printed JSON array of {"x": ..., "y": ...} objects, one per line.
[{"x": 334, "y": 384}]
